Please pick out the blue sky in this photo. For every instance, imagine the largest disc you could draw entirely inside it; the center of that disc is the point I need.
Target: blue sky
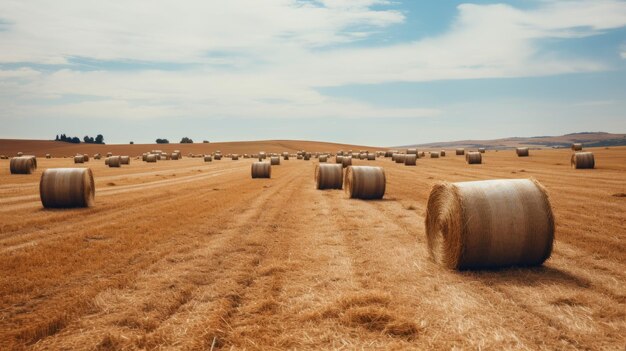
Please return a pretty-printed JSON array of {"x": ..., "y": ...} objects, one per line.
[{"x": 370, "y": 72}]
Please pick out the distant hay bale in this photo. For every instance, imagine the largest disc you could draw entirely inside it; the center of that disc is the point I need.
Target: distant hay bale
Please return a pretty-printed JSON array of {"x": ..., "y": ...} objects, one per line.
[
  {"x": 67, "y": 187},
  {"x": 522, "y": 151},
  {"x": 577, "y": 146},
  {"x": 329, "y": 176},
  {"x": 365, "y": 182},
  {"x": 410, "y": 159},
  {"x": 151, "y": 158},
  {"x": 488, "y": 224},
  {"x": 442, "y": 153},
  {"x": 217, "y": 157},
  {"x": 274, "y": 160},
  {"x": 583, "y": 160},
  {"x": 261, "y": 170},
  {"x": 389, "y": 153},
  {"x": 109, "y": 154},
  {"x": 481, "y": 150},
  {"x": 144, "y": 156},
  {"x": 434, "y": 154},
  {"x": 79, "y": 159},
  {"x": 371, "y": 157},
  {"x": 125, "y": 160},
  {"x": 114, "y": 161},
  {"x": 20, "y": 154},
  {"x": 86, "y": 157},
  {"x": 4, "y": 157},
  {"x": 97, "y": 156},
  {"x": 48, "y": 156},
  {"x": 299, "y": 156},
  {"x": 460, "y": 152},
  {"x": 474, "y": 157},
  {"x": 411, "y": 151},
  {"x": 175, "y": 156},
  {"x": 106, "y": 161},
  {"x": 262, "y": 155},
  {"x": 23, "y": 165},
  {"x": 323, "y": 158},
  {"x": 399, "y": 158},
  {"x": 306, "y": 156},
  {"x": 234, "y": 157},
  {"x": 346, "y": 161},
  {"x": 208, "y": 158},
  {"x": 339, "y": 159}
]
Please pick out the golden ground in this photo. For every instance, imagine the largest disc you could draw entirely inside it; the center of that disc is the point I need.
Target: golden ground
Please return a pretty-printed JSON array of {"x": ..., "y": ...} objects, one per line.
[{"x": 193, "y": 255}]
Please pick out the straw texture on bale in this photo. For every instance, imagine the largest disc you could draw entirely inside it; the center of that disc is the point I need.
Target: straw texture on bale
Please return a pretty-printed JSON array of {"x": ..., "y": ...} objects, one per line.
[
  {"x": 434, "y": 154},
  {"x": 577, "y": 147},
  {"x": 522, "y": 151},
  {"x": 474, "y": 157},
  {"x": 410, "y": 159},
  {"x": 411, "y": 151},
  {"x": 346, "y": 161},
  {"x": 371, "y": 157},
  {"x": 490, "y": 223},
  {"x": 275, "y": 160},
  {"x": 338, "y": 159},
  {"x": 23, "y": 165},
  {"x": 323, "y": 158},
  {"x": 125, "y": 160},
  {"x": 114, "y": 161},
  {"x": 365, "y": 182},
  {"x": 151, "y": 158},
  {"x": 208, "y": 158},
  {"x": 79, "y": 159},
  {"x": 329, "y": 176},
  {"x": 460, "y": 152},
  {"x": 583, "y": 160},
  {"x": 261, "y": 170},
  {"x": 67, "y": 187}
]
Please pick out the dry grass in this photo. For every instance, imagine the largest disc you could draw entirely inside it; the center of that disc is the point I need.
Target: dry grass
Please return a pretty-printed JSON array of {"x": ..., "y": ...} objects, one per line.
[{"x": 169, "y": 262}]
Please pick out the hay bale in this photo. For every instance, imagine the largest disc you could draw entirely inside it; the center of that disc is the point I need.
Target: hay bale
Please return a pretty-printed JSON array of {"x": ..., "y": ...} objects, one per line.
[
  {"x": 114, "y": 161},
  {"x": 97, "y": 156},
  {"x": 125, "y": 160},
  {"x": 175, "y": 156},
  {"x": 323, "y": 158},
  {"x": 411, "y": 151},
  {"x": 346, "y": 161},
  {"x": 577, "y": 146},
  {"x": 399, "y": 158},
  {"x": 208, "y": 158},
  {"x": 20, "y": 154},
  {"x": 23, "y": 165},
  {"x": 481, "y": 150},
  {"x": 306, "y": 156},
  {"x": 583, "y": 160},
  {"x": 274, "y": 160},
  {"x": 522, "y": 151},
  {"x": 109, "y": 154},
  {"x": 234, "y": 157},
  {"x": 329, "y": 176},
  {"x": 4, "y": 157},
  {"x": 48, "y": 156},
  {"x": 371, "y": 157},
  {"x": 79, "y": 159},
  {"x": 434, "y": 154},
  {"x": 261, "y": 170},
  {"x": 262, "y": 155},
  {"x": 442, "y": 153},
  {"x": 460, "y": 152},
  {"x": 217, "y": 157},
  {"x": 490, "y": 223},
  {"x": 67, "y": 187},
  {"x": 151, "y": 158},
  {"x": 365, "y": 182},
  {"x": 474, "y": 157},
  {"x": 338, "y": 159},
  {"x": 410, "y": 159}
]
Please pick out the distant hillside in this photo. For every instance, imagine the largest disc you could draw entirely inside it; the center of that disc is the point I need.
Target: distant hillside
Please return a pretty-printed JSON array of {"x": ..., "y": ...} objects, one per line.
[{"x": 589, "y": 139}]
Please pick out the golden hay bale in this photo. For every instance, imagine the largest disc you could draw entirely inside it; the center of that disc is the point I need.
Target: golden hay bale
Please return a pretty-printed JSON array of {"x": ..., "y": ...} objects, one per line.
[
  {"x": 79, "y": 159},
  {"x": 299, "y": 156},
  {"x": 20, "y": 154},
  {"x": 175, "y": 156},
  {"x": 434, "y": 154},
  {"x": 48, "y": 156},
  {"x": 522, "y": 151},
  {"x": 460, "y": 152},
  {"x": 583, "y": 160},
  {"x": 261, "y": 170},
  {"x": 346, "y": 161},
  {"x": 338, "y": 159},
  {"x": 217, "y": 157},
  {"x": 67, "y": 187},
  {"x": 399, "y": 158},
  {"x": 97, "y": 156},
  {"x": 371, "y": 157},
  {"x": 410, "y": 159},
  {"x": 208, "y": 158},
  {"x": 442, "y": 153},
  {"x": 23, "y": 165},
  {"x": 481, "y": 150},
  {"x": 125, "y": 160},
  {"x": 114, "y": 161},
  {"x": 329, "y": 176},
  {"x": 474, "y": 157},
  {"x": 362, "y": 156},
  {"x": 365, "y": 182},
  {"x": 86, "y": 157},
  {"x": 389, "y": 153},
  {"x": 411, "y": 151},
  {"x": 109, "y": 154},
  {"x": 323, "y": 158},
  {"x": 234, "y": 157},
  {"x": 275, "y": 160},
  {"x": 144, "y": 156},
  {"x": 490, "y": 223},
  {"x": 152, "y": 158},
  {"x": 577, "y": 147},
  {"x": 306, "y": 156},
  {"x": 262, "y": 155},
  {"x": 106, "y": 161}
]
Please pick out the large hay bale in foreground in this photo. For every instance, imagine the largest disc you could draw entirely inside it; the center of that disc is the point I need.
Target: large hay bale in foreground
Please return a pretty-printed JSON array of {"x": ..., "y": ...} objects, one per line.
[
  {"x": 410, "y": 159},
  {"x": 79, "y": 159},
  {"x": 114, "y": 161},
  {"x": 329, "y": 176},
  {"x": 365, "y": 182},
  {"x": 151, "y": 158},
  {"x": 490, "y": 223},
  {"x": 460, "y": 152},
  {"x": 23, "y": 165},
  {"x": 67, "y": 187},
  {"x": 522, "y": 151},
  {"x": 577, "y": 146},
  {"x": 346, "y": 161},
  {"x": 583, "y": 160},
  {"x": 125, "y": 160},
  {"x": 474, "y": 157},
  {"x": 275, "y": 160},
  {"x": 261, "y": 170}
]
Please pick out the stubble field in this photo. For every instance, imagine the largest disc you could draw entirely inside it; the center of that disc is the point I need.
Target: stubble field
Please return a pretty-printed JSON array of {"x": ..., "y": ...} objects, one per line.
[{"x": 192, "y": 255}]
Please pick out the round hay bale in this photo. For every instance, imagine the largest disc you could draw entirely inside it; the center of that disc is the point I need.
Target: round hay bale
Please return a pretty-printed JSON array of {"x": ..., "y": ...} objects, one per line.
[
  {"x": 114, "y": 161},
  {"x": 106, "y": 161},
  {"x": 329, "y": 176},
  {"x": 460, "y": 152},
  {"x": 474, "y": 157},
  {"x": 151, "y": 158},
  {"x": 338, "y": 159},
  {"x": 323, "y": 158},
  {"x": 144, "y": 156},
  {"x": 275, "y": 161},
  {"x": 410, "y": 159},
  {"x": 434, "y": 154},
  {"x": 109, "y": 154},
  {"x": 577, "y": 146},
  {"x": 299, "y": 156},
  {"x": 306, "y": 156},
  {"x": 583, "y": 160},
  {"x": 97, "y": 156},
  {"x": 261, "y": 170},
  {"x": 125, "y": 160},
  {"x": 481, "y": 150},
  {"x": 175, "y": 156},
  {"x": 371, "y": 157},
  {"x": 3, "y": 157},
  {"x": 48, "y": 156},
  {"x": 399, "y": 158},
  {"x": 262, "y": 155},
  {"x": 411, "y": 151},
  {"x": 23, "y": 165},
  {"x": 20, "y": 154},
  {"x": 79, "y": 159},
  {"x": 234, "y": 157},
  {"x": 217, "y": 157},
  {"x": 208, "y": 158},
  {"x": 365, "y": 182},
  {"x": 362, "y": 156},
  {"x": 67, "y": 187},
  {"x": 522, "y": 151},
  {"x": 490, "y": 223},
  {"x": 346, "y": 161},
  {"x": 442, "y": 153},
  {"x": 86, "y": 157}
]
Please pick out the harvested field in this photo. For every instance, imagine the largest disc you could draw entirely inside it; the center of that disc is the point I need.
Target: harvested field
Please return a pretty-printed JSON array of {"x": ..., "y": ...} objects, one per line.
[{"x": 191, "y": 255}]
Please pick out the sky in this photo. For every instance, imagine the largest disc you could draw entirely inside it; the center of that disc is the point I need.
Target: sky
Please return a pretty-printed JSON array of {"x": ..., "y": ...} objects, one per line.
[{"x": 369, "y": 72}]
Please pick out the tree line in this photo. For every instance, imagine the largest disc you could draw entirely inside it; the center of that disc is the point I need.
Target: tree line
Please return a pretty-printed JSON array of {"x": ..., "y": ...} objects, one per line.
[{"x": 99, "y": 139}]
